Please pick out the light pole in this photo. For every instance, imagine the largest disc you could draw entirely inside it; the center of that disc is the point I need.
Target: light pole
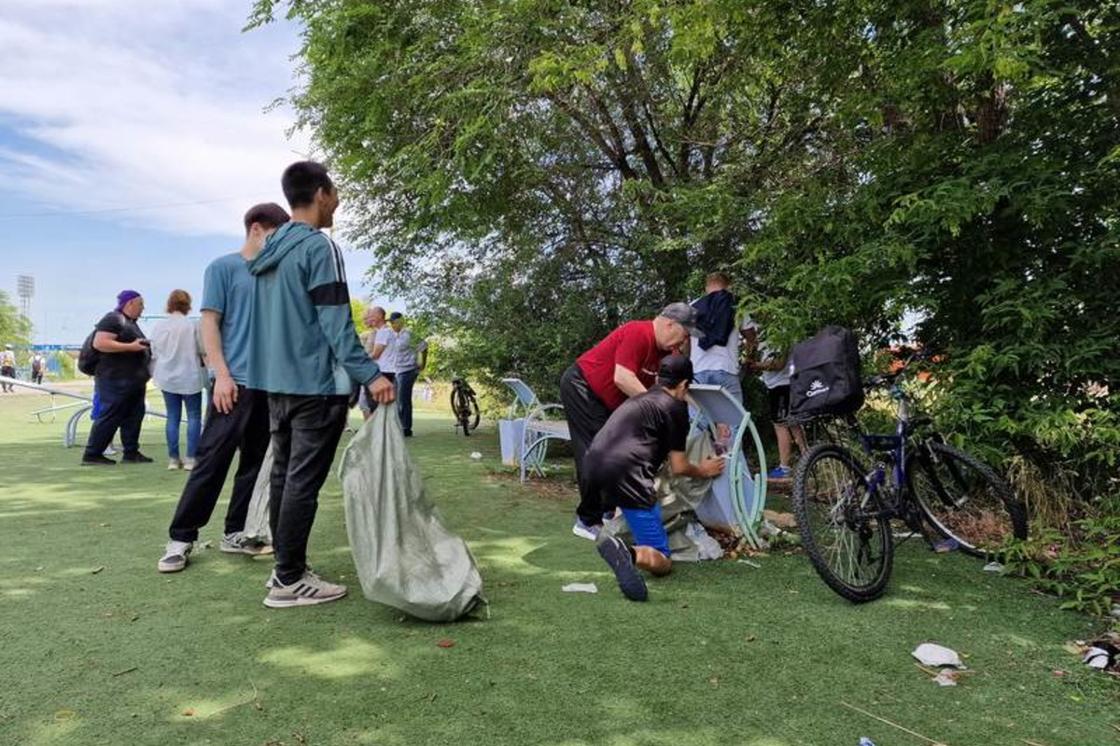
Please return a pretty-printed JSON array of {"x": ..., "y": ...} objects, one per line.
[{"x": 25, "y": 288}]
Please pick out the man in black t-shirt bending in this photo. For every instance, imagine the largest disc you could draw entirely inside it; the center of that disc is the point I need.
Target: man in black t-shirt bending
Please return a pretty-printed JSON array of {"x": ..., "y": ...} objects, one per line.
[{"x": 623, "y": 461}]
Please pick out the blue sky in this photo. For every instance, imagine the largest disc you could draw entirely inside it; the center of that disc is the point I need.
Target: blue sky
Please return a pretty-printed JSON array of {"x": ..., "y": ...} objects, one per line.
[{"x": 133, "y": 136}]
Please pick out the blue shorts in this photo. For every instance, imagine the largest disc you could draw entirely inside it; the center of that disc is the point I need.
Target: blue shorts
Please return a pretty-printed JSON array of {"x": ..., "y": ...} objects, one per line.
[{"x": 645, "y": 524}]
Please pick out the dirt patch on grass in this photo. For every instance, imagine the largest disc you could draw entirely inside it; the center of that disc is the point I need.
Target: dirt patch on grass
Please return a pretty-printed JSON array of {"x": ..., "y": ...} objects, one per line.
[{"x": 558, "y": 488}]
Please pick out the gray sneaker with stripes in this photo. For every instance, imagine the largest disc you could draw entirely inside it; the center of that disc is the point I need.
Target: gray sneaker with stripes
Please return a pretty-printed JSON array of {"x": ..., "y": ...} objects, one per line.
[{"x": 307, "y": 591}]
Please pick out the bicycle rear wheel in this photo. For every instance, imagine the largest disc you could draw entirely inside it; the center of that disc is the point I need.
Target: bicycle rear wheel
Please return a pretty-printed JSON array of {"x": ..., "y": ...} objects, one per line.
[
  {"x": 844, "y": 528},
  {"x": 965, "y": 500}
]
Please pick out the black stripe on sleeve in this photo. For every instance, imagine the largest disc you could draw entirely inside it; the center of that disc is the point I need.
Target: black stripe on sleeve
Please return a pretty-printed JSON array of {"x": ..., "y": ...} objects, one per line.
[{"x": 331, "y": 294}]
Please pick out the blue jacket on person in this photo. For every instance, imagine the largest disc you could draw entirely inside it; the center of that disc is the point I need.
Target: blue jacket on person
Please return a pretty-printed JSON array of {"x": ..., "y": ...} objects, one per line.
[{"x": 302, "y": 338}]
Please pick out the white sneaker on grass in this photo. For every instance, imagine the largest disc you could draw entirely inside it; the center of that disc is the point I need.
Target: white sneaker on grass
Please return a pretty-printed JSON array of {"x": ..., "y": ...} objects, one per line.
[
  {"x": 239, "y": 543},
  {"x": 188, "y": 464},
  {"x": 176, "y": 556},
  {"x": 583, "y": 531},
  {"x": 309, "y": 590},
  {"x": 174, "y": 464}
]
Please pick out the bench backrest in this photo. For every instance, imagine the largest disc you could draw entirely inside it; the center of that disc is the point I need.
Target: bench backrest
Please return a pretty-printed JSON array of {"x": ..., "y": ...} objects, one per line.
[{"x": 524, "y": 394}]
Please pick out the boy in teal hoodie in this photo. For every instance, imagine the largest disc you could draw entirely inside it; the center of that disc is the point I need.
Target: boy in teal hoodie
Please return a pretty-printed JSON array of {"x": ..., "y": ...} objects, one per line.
[{"x": 304, "y": 351}]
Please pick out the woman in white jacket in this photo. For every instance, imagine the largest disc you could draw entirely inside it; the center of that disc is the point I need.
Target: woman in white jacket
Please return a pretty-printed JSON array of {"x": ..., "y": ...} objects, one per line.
[{"x": 177, "y": 369}]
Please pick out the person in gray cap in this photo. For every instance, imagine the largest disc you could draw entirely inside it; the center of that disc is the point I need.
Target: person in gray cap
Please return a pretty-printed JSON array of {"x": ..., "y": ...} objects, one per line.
[{"x": 622, "y": 365}]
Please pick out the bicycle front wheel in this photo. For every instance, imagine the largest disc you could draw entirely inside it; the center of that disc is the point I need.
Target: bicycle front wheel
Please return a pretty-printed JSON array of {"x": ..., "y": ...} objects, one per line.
[
  {"x": 965, "y": 500},
  {"x": 475, "y": 415},
  {"x": 844, "y": 528}
]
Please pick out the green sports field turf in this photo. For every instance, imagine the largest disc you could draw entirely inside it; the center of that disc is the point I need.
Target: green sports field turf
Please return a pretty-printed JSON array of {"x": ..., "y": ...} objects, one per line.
[{"x": 98, "y": 648}]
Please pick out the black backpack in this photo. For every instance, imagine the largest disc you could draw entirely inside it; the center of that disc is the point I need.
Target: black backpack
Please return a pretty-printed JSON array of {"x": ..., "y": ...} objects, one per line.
[
  {"x": 824, "y": 375},
  {"x": 89, "y": 356}
]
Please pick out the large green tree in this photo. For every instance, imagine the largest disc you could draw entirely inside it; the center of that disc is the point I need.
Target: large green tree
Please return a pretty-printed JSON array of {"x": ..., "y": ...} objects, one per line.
[{"x": 533, "y": 172}]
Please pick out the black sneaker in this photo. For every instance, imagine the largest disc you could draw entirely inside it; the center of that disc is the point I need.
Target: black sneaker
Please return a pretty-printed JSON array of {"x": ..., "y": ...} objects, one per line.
[
  {"x": 97, "y": 461},
  {"x": 617, "y": 555},
  {"x": 135, "y": 458}
]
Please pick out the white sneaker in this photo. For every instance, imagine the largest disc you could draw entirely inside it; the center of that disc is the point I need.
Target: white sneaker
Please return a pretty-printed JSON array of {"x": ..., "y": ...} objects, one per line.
[
  {"x": 239, "y": 543},
  {"x": 174, "y": 464},
  {"x": 175, "y": 557},
  {"x": 188, "y": 464},
  {"x": 583, "y": 531},
  {"x": 307, "y": 591}
]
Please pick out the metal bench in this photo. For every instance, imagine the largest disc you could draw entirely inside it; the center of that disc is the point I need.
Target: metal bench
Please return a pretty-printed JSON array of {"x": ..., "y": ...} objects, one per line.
[
  {"x": 537, "y": 428},
  {"x": 83, "y": 406}
]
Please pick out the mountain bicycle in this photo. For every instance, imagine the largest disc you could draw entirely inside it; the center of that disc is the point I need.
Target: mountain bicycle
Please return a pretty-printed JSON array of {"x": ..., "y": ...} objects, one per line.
[
  {"x": 464, "y": 405},
  {"x": 844, "y": 509}
]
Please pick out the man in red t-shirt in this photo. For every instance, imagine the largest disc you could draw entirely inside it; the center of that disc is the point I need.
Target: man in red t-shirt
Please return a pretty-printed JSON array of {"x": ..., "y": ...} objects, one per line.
[{"x": 624, "y": 364}]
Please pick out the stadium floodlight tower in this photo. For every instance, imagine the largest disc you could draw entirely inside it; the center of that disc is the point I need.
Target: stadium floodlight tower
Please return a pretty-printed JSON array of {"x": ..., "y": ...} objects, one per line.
[{"x": 25, "y": 288}]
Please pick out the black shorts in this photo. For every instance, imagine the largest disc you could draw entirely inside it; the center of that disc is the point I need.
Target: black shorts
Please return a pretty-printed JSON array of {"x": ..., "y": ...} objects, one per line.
[{"x": 779, "y": 403}]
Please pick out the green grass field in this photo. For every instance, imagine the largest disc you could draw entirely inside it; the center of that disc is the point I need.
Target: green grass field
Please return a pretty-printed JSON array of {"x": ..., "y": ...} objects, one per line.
[{"x": 98, "y": 648}]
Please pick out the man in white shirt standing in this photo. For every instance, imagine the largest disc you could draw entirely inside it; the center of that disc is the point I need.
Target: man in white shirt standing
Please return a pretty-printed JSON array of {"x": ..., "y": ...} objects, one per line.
[
  {"x": 409, "y": 358},
  {"x": 380, "y": 346}
]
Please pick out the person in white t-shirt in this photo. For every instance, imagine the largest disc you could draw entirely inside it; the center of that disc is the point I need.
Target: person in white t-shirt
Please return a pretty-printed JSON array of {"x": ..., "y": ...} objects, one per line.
[
  {"x": 7, "y": 367},
  {"x": 774, "y": 372},
  {"x": 178, "y": 371},
  {"x": 380, "y": 344}
]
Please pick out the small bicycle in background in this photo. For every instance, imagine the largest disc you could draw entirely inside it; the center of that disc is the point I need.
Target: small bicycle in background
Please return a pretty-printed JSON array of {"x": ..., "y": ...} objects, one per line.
[
  {"x": 844, "y": 509},
  {"x": 464, "y": 405}
]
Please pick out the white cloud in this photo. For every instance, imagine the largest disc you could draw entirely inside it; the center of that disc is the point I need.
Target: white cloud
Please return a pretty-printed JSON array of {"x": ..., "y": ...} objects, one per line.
[{"x": 128, "y": 103}]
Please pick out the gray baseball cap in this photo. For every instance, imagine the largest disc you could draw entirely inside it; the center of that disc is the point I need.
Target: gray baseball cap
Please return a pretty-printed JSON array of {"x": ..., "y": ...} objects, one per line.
[{"x": 683, "y": 314}]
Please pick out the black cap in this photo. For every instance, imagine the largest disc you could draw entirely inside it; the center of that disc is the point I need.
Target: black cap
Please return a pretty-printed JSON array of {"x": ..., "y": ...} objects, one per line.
[
  {"x": 396, "y": 315},
  {"x": 674, "y": 369},
  {"x": 685, "y": 315}
]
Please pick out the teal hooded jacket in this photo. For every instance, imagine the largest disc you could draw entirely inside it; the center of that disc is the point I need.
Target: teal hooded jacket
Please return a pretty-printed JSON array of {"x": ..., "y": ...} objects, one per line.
[{"x": 302, "y": 338}]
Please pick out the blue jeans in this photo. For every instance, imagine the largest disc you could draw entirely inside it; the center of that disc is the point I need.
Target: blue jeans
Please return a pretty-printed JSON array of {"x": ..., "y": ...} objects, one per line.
[
  {"x": 406, "y": 379},
  {"x": 722, "y": 378},
  {"x": 174, "y": 404}
]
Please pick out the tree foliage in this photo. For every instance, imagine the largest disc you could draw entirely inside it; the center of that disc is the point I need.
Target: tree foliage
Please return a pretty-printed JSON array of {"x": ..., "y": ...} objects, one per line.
[
  {"x": 533, "y": 172},
  {"x": 14, "y": 328}
]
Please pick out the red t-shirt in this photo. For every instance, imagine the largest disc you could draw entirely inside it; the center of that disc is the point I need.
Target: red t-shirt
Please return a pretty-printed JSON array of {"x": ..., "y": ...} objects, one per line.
[{"x": 634, "y": 347}]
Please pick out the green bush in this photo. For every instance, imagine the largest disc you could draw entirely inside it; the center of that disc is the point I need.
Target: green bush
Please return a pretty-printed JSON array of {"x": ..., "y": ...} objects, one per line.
[{"x": 1082, "y": 565}]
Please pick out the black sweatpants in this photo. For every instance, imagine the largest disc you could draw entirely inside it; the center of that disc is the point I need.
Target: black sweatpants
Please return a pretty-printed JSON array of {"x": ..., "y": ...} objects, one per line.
[
  {"x": 122, "y": 407},
  {"x": 586, "y": 415},
  {"x": 305, "y": 434},
  {"x": 244, "y": 429}
]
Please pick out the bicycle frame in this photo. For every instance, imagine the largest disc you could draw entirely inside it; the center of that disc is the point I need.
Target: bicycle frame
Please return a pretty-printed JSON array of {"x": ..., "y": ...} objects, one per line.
[{"x": 897, "y": 445}]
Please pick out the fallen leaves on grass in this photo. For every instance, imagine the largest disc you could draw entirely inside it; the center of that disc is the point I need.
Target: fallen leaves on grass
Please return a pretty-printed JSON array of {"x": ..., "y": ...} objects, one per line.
[{"x": 445, "y": 643}]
